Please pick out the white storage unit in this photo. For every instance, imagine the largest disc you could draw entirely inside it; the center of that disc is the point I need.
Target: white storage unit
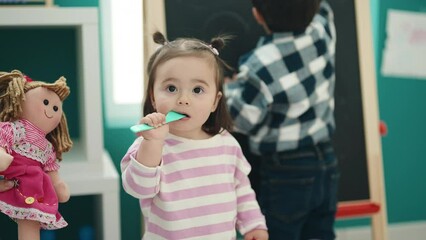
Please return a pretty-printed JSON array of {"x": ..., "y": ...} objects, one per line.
[{"x": 87, "y": 168}]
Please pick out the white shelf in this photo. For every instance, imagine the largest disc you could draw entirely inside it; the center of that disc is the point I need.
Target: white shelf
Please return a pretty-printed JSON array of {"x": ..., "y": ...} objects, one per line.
[
  {"x": 83, "y": 182},
  {"x": 87, "y": 168},
  {"x": 54, "y": 16},
  {"x": 106, "y": 185},
  {"x": 85, "y": 21}
]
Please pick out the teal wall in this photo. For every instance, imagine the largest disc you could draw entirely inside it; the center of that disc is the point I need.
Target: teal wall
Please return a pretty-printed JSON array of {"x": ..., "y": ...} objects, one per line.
[
  {"x": 401, "y": 103},
  {"x": 117, "y": 141}
]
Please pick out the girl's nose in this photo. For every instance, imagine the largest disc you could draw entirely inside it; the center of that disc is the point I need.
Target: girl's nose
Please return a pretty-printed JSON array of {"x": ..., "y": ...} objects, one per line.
[
  {"x": 183, "y": 102},
  {"x": 183, "y": 99}
]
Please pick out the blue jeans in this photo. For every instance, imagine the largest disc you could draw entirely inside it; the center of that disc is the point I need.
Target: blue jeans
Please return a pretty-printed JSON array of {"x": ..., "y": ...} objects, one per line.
[{"x": 298, "y": 193}]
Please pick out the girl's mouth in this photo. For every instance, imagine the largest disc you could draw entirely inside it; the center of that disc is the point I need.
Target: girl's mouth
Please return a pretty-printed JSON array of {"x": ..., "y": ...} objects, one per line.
[{"x": 186, "y": 115}]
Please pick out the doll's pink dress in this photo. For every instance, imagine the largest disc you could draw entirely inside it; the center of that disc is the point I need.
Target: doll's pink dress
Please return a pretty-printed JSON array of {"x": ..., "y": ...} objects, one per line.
[{"x": 33, "y": 197}]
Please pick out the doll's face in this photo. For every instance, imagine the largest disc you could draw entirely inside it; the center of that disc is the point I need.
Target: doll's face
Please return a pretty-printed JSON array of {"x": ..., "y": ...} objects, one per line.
[{"x": 43, "y": 108}]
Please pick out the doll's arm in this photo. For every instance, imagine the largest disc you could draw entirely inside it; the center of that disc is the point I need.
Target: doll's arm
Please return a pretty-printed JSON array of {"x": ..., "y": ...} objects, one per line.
[
  {"x": 61, "y": 188},
  {"x": 5, "y": 159}
]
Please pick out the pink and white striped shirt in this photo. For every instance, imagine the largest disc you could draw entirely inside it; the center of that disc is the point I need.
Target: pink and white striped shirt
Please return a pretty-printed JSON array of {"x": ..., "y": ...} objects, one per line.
[{"x": 200, "y": 190}]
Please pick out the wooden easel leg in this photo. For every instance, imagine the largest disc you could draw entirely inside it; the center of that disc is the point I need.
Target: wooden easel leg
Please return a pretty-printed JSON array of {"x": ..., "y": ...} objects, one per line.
[
  {"x": 48, "y": 3},
  {"x": 379, "y": 226}
]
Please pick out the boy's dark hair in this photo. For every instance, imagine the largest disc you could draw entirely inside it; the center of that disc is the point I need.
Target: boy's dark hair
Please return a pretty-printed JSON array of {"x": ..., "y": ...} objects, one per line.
[{"x": 287, "y": 15}]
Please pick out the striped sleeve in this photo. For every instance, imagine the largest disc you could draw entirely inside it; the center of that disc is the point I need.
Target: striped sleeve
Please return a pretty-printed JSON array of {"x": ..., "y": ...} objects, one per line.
[
  {"x": 249, "y": 215},
  {"x": 138, "y": 180},
  {"x": 6, "y": 136},
  {"x": 51, "y": 163}
]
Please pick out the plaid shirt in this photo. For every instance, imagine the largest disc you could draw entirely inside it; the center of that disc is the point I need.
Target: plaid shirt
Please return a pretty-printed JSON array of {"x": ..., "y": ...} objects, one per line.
[{"x": 283, "y": 98}]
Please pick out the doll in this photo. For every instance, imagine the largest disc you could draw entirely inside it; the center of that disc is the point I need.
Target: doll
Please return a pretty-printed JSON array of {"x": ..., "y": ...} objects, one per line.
[{"x": 33, "y": 136}]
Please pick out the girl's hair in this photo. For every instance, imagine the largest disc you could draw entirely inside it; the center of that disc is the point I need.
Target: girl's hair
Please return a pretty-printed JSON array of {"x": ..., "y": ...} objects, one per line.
[
  {"x": 13, "y": 87},
  {"x": 182, "y": 47},
  {"x": 287, "y": 15}
]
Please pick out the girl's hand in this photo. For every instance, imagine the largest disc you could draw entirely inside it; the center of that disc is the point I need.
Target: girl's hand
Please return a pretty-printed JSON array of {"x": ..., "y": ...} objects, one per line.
[
  {"x": 5, "y": 159},
  {"x": 152, "y": 146},
  {"x": 257, "y": 234},
  {"x": 5, "y": 185},
  {"x": 158, "y": 121}
]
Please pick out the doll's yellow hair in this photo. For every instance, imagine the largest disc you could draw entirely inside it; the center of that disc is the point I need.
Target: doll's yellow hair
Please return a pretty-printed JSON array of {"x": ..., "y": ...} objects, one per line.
[{"x": 14, "y": 85}]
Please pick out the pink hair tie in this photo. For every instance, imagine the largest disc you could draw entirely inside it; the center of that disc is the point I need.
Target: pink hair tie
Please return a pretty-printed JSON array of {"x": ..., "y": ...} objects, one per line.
[{"x": 28, "y": 79}]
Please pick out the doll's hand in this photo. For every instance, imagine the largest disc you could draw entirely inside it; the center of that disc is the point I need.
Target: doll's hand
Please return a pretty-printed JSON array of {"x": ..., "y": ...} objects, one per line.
[
  {"x": 5, "y": 159},
  {"x": 257, "y": 234},
  {"x": 62, "y": 191},
  {"x": 61, "y": 188},
  {"x": 158, "y": 121}
]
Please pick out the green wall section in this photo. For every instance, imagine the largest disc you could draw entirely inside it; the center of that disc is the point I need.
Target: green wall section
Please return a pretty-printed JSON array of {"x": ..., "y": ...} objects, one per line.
[
  {"x": 77, "y": 3},
  {"x": 117, "y": 141},
  {"x": 401, "y": 102}
]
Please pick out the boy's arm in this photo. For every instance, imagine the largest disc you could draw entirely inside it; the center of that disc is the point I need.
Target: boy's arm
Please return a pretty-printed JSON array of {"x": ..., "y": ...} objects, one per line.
[
  {"x": 325, "y": 17},
  {"x": 326, "y": 11},
  {"x": 248, "y": 99}
]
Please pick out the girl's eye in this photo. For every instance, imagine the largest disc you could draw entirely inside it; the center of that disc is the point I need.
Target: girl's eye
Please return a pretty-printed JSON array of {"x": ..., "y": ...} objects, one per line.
[
  {"x": 55, "y": 108},
  {"x": 198, "y": 90},
  {"x": 46, "y": 102},
  {"x": 171, "y": 88}
]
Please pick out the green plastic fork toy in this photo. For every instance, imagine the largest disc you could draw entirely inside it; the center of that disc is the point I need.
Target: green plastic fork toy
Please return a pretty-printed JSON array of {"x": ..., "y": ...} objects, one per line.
[{"x": 170, "y": 117}]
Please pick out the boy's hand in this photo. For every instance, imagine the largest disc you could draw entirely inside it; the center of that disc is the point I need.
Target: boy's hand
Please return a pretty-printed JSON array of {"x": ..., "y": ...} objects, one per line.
[
  {"x": 229, "y": 79},
  {"x": 257, "y": 234}
]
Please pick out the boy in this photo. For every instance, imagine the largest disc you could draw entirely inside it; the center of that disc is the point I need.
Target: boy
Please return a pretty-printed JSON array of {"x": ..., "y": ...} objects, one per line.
[{"x": 283, "y": 100}]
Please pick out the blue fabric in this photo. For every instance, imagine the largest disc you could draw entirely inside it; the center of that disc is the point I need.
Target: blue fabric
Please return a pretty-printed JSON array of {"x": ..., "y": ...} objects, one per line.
[{"x": 298, "y": 193}]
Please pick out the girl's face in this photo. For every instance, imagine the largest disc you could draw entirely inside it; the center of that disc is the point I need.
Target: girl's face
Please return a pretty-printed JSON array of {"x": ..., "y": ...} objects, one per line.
[
  {"x": 186, "y": 85},
  {"x": 43, "y": 108}
]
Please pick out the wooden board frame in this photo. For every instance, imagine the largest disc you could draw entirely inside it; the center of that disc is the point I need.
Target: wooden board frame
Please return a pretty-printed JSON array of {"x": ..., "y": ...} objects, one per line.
[{"x": 371, "y": 117}]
